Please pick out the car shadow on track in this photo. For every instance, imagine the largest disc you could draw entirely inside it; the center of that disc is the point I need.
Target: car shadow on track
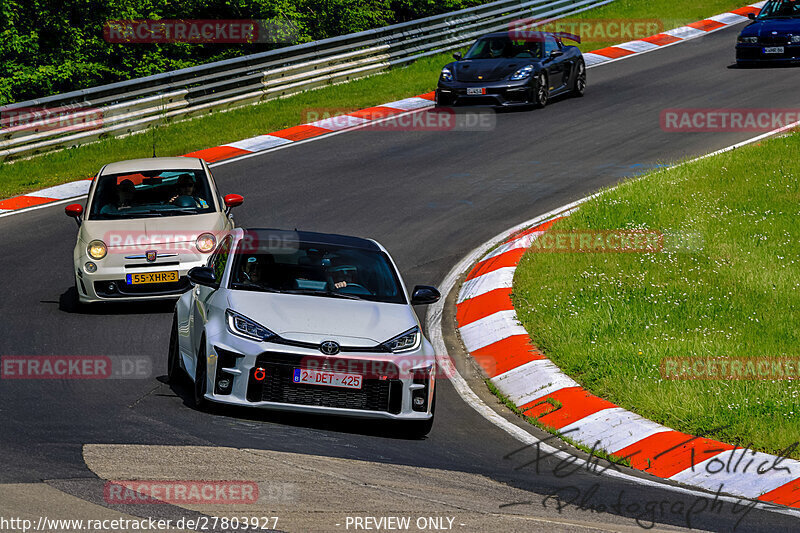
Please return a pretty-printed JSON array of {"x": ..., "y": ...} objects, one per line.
[
  {"x": 367, "y": 427},
  {"x": 529, "y": 108},
  {"x": 68, "y": 303},
  {"x": 763, "y": 66}
]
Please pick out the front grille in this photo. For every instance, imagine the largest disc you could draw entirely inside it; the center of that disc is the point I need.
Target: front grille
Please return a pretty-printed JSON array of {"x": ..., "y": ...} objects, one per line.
[
  {"x": 122, "y": 289},
  {"x": 479, "y": 100},
  {"x": 376, "y": 394}
]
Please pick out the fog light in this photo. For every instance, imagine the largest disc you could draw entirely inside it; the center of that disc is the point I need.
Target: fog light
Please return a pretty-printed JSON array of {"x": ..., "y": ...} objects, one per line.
[
  {"x": 90, "y": 267},
  {"x": 112, "y": 287},
  {"x": 224, "y": 383},
  {"x": 419, "y": 401}
]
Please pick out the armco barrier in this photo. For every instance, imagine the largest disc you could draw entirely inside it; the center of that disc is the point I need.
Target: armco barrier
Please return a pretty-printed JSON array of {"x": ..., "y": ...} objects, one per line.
[{"x": 138, "y": 104}]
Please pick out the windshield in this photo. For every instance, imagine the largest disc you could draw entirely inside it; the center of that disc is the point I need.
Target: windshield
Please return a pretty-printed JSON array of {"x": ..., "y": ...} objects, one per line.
[
  {"x": 313, "y": 269},
  {"x": 780, "y": 9},
  {"x": 503, "y": 47},
  {"x": 151, "y": 194}
]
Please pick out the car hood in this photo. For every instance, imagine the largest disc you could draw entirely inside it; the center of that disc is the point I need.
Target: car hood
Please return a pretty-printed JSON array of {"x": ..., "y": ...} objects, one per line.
[
  {"x": 766, "y": 27},
  {"x": 475, "y": 70},
  {"x": 318, "y": 318},
  {"x": 154, "y": 231}
]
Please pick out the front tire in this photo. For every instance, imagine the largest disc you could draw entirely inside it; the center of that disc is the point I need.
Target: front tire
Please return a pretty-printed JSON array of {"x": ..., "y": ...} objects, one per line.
[
  {"x": 541, "y": 91},
  {"x": 201, "y": 379},
  {"x": 579, "y": 88}
]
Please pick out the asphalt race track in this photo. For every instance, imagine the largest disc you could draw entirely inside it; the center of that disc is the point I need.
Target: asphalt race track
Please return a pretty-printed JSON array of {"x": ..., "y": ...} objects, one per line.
[{"x": 429, "y": 197}]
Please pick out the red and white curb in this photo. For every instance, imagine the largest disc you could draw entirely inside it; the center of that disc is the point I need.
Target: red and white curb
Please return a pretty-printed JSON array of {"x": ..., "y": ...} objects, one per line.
[
  {"x": 494, "y": 337},
  {"x": 252, "y": 145},
  {"x": 684, "y": 33},
  {"x": 261, "y": 143}
]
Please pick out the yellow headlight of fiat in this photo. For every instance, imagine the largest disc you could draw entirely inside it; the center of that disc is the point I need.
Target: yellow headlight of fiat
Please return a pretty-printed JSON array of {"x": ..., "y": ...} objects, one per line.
[
  {"x": 205, "y": 243},
  {"x": 97, "y": 249}
]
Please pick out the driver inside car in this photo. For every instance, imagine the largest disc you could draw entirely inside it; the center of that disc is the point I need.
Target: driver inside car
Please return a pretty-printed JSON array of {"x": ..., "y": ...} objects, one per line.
[
  {"x": 125, "y": 191},
  {"x": 496, "y": 48},
  {"x": 186, "y": 196},
  {"x": 342, "y": 276}
]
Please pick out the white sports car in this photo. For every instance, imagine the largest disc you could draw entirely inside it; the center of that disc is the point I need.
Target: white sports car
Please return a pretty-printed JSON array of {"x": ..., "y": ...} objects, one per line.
[
  {"x": 310, "y": 322},
  {"x": 147, "y": 223}
]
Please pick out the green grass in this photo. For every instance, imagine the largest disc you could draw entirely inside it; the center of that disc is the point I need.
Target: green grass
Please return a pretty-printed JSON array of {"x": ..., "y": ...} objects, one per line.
[
  {"x": 609, "y": 319},
  {"x": 217, "y": 129}
]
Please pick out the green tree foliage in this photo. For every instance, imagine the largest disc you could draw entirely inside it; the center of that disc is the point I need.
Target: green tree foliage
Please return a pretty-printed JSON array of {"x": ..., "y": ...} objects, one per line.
[{"x": 55, "y": 46}]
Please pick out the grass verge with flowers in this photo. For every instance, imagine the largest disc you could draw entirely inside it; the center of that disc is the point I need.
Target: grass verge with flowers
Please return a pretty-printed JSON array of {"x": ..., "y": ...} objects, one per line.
[{"x": 726, "y": 284}]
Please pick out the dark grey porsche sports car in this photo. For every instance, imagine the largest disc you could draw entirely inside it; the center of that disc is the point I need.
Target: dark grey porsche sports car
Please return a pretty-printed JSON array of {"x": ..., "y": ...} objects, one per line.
[{"x": 512, "y": 68}]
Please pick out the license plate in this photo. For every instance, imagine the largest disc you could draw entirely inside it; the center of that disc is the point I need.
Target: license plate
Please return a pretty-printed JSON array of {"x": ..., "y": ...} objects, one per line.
[
  {"x": 773, "y": 50},
  {"x": 152, "y": 277},
  {"x": 476, "y": 90},
  {"x": 329, "y": 379}
]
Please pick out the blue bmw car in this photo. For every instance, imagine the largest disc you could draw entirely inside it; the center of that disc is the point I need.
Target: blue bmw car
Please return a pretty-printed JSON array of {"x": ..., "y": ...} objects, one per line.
[{"x": 773, "y": 37}]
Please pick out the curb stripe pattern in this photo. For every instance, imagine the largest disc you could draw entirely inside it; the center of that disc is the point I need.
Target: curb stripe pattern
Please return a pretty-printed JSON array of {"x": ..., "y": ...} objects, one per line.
[
  {"x": 492, "y": 334},
  {"x": 358, "y": 118},
  {"x": 684, "y": 33}
]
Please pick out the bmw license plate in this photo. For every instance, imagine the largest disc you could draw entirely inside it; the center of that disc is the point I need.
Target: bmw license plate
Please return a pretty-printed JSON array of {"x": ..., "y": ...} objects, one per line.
[
  {"x": 476, "y": 90},
  {"x": 329, "y": 379},
  {"x": 773, "y": 50},
  {"x": 152, "y": 277}
]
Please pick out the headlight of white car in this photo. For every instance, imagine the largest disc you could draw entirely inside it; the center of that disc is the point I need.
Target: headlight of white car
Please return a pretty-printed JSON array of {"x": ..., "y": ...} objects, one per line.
[
  {"x": 244, "y": 327},
  {"x": 405, "y": 342},
  {"x": 97, "y": 249},
  {"x": 750, "y": 40},
  {"x": 205, "y": 243},
  {"x": 447, "y": 75},
  {"x": 522, "y": 73}
]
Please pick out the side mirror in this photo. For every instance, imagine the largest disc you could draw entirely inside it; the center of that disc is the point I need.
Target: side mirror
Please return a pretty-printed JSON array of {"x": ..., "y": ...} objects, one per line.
[
  {"x": 203, "y": 276},
  {"x": 457, "y": 56},
  {"x": 233, "y": 200},
  {"x": 556, "y": 53},
  {"x": 751, "y": 16},
  {"x": 74, "y": 211},
  {"x": 424, "y": 295}
]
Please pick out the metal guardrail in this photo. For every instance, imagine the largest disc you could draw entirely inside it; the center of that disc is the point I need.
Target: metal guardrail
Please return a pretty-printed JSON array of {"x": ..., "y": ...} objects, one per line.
[{"x": 134, "y": 105}]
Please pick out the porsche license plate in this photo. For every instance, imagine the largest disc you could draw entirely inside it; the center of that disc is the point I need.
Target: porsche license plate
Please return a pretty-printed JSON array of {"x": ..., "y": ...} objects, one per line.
[
  {"x": 773, "y": 50},
  {"x": 152, "y": 277},
  {"x": 476, "y": 90},
  {"x": 329, "y": 379}
]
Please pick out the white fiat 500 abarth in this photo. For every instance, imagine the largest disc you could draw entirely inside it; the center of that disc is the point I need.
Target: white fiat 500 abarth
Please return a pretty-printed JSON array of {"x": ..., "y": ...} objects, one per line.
[{"x": 147, "y": 223}]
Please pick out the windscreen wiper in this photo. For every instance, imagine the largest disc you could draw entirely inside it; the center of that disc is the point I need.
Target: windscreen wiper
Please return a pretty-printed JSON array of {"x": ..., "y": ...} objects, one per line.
[{"x": 313, "y": 292}]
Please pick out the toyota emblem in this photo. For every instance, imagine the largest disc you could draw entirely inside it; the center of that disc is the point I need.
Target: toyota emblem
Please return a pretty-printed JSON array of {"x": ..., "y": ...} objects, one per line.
[
  {"x": 329, "y": 348},
  {"x": 151, "y": 255}
]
